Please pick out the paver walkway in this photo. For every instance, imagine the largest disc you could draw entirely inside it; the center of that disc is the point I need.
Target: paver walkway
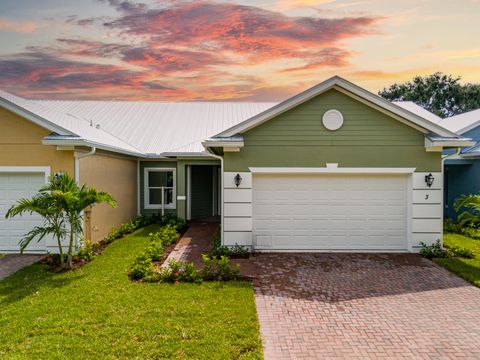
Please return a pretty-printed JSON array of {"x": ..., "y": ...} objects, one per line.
[
  {"x": 355, "y": 306},
  {"x": 13, "y": 262},
  {"x": 196, "y": 241}
]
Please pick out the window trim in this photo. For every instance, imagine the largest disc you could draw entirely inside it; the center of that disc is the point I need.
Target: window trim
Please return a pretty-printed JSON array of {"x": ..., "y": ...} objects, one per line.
[{"x": 146, "y": 188}]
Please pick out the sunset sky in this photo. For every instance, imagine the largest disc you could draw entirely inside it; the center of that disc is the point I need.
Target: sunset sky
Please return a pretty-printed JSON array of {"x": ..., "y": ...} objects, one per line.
[{"x": 228, "y": 50}]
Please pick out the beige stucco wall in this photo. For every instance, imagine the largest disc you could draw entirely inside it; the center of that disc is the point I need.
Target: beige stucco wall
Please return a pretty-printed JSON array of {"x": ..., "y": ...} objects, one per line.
[
  {"x": 21, "y": 145},
  {"x": 117, "y": 176}
]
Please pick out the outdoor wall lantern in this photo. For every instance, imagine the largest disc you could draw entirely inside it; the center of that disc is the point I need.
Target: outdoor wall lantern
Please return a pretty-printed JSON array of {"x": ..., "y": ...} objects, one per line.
[
  {"x": 238, "y": 180},
  {"x": 429, "y": 179}
]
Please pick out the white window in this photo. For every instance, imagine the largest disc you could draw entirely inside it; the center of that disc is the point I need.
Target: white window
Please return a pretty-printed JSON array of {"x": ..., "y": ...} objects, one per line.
[{"x": 155, "y": 180}]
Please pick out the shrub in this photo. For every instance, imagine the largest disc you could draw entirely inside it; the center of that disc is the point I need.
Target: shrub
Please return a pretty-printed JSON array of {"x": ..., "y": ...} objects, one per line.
[
  {"x": 471, "y": 206},
  {"x": 154, "y": 250},
  {"x": 236, "y": 251},
  {"x": 463, "y": 252},
  {"x": 219, "y": 269},
  {"x": 450, "y": 227},
  {"x": 179, "y": 271},
  {"x": 85, "y": 251},
  {"x": 167, "y": 235},
  {"x": 433, "y": 251},
  {"x": 141, "y": 268},
  {"x": 470, "y": 232}
]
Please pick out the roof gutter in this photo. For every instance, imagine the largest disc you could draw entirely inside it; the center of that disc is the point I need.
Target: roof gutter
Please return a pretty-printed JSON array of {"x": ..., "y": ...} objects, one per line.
[
  {"x": 438, "y": 143},
  {"x": 77, "y": 162},
  {"x": 77, "y": 141}
]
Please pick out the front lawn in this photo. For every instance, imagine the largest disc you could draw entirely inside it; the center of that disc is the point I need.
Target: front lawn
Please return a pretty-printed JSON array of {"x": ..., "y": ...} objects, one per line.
[
  {"x": 469, "y": 269},
  {"x": 97, "y": 312}
]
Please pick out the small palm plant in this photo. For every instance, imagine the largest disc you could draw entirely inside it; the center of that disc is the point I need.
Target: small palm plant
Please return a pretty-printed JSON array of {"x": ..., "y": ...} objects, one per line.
[
  {"x": 53, "y": 220},
  {"x": 470, "y": 216},
  {"x": 61, "y": 204}
]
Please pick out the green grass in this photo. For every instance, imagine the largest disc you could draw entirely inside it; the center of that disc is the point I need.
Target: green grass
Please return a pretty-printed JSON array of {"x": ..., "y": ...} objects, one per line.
[
  {"x": 97, "y": 312},
  {"x": 469, "y": 269},
  {"x": 2, "y": 255}
]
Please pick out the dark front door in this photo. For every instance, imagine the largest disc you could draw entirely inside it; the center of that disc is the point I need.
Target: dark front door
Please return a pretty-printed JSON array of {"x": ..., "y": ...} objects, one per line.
[{"x": 202, "y": 191}]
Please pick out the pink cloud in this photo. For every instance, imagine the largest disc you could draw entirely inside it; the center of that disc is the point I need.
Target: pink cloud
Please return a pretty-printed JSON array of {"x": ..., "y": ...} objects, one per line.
[
  {"x": 185, "y": 50},
  {"x": 18, "y": 26}
]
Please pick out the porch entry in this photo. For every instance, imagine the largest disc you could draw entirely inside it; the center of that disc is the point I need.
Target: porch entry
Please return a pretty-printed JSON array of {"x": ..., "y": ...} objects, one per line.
[{"x": 203, "y": 182}]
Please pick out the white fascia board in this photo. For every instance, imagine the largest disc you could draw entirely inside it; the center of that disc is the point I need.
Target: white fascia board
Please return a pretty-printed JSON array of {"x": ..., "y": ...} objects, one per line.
[
  {"x": 188, "y": 155},
  {"x": 468, "y": 128},
  {"x": 38, "y": 120},
  {"x": 327, "y": 85},
  {"x": 83, "y": 142},
  {"x": 224, "y": 144},
  {"x": 330, "y": 170},
  {"x": 463, "y": 143}
]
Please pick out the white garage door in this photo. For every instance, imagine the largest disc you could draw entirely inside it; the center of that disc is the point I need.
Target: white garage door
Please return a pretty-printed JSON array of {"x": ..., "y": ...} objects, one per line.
[
  {"x": 329, "y": 212},
  {"x": 14, "y": 186}
]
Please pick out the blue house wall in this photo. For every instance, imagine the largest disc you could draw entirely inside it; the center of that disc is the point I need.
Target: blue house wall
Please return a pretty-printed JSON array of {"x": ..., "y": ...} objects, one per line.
[{"x": 462, "y": 177}]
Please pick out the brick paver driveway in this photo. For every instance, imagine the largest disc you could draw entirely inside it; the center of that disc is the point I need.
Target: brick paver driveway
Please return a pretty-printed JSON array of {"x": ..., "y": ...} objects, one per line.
[{"x": 363, "y": 306}]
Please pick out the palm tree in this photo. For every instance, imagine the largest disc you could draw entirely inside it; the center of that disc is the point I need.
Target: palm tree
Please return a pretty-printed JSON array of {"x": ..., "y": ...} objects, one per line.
[
  {"x": 63, "y": 205},
  {"x": 470, "y": 216},
  {"x": 53, "y": 220}
]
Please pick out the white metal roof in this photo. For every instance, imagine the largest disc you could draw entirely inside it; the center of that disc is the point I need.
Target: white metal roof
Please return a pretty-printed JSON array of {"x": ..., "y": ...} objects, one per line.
[
  {"x": 418, "y": 110},
  {"x": 160, "y": 127},
  {"x": 65, "y": 124},
  {"x": 462, "y": 123}
]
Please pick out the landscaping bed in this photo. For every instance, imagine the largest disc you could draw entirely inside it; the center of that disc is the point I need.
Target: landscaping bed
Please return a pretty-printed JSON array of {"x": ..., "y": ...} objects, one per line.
[
  {"x": 150, "y": 266},
  {"x": 96, "y": 311},
  {"x": 88, "y": 251}
]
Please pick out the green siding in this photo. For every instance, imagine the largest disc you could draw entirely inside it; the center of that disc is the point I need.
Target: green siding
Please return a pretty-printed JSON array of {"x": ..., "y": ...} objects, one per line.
[
  {"x": 202, "y": 192},
  {"x": 368, "y": 138}
]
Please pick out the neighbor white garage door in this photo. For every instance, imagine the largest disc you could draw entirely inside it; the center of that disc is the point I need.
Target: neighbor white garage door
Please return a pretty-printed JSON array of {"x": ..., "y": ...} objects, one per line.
[
  {"x": 329, "y": 212},
  {"x": 14, "y": 186}
]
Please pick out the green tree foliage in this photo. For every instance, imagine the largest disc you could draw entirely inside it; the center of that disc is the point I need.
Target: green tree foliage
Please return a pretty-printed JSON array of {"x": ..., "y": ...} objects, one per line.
[
  {"x": 471, "y": 214},
  {"x": 439, "y": 93},
  {"x": 61, "y": 204}
]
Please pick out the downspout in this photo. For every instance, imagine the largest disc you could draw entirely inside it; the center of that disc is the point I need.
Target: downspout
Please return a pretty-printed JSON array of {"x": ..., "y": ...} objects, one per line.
[
  {"x": 222, "y": 192},
  {"x": 456, "y": 153},
  {"x": 77, "y": 162},
  {"x": 138, "y": 188},
  {"x": 77, "y": 178}
]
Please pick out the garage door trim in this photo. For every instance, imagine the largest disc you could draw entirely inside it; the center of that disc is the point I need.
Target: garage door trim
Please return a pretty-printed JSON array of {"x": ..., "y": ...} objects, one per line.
[
  {"x": 27, "y": 169},
  {"x": 334, "y": 170}
]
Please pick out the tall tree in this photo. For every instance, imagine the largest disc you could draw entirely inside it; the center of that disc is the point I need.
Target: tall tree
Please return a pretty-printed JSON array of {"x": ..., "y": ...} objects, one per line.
[{"x": 439, "y": 93}]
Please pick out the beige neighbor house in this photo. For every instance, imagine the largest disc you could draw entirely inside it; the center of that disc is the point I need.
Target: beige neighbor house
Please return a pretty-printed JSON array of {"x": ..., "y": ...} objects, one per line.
[{"x": 334, "y": 168}]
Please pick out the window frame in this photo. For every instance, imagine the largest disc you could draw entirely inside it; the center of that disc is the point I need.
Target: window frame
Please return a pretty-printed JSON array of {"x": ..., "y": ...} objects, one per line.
[{"x": 146, "y": 189}]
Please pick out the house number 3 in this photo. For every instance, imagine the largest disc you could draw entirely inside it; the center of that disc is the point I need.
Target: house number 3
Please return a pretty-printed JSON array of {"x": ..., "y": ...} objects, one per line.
[{"x": 426, "y": 197}]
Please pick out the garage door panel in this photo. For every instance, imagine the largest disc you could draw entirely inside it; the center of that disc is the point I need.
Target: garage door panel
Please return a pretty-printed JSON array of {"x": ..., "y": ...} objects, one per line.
[
  {"x": 334, "y": 212},
  {"x": 14, "y": 186}
]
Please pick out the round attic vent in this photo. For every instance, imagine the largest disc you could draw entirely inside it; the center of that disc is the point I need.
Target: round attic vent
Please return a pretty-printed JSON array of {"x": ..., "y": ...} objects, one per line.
[{"x": 332, "y": 119}]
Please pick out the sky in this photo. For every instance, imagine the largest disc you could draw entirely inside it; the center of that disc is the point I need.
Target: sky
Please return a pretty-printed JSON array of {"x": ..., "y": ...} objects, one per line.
[{"x": 243, "y": 50}]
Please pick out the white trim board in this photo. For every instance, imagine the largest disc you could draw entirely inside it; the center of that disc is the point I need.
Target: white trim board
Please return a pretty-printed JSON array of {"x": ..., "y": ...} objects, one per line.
[
  {"x": 37, "y": 120},
  {"x": 330, "y": 170},
  {"x": 27, "y": 169}
]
